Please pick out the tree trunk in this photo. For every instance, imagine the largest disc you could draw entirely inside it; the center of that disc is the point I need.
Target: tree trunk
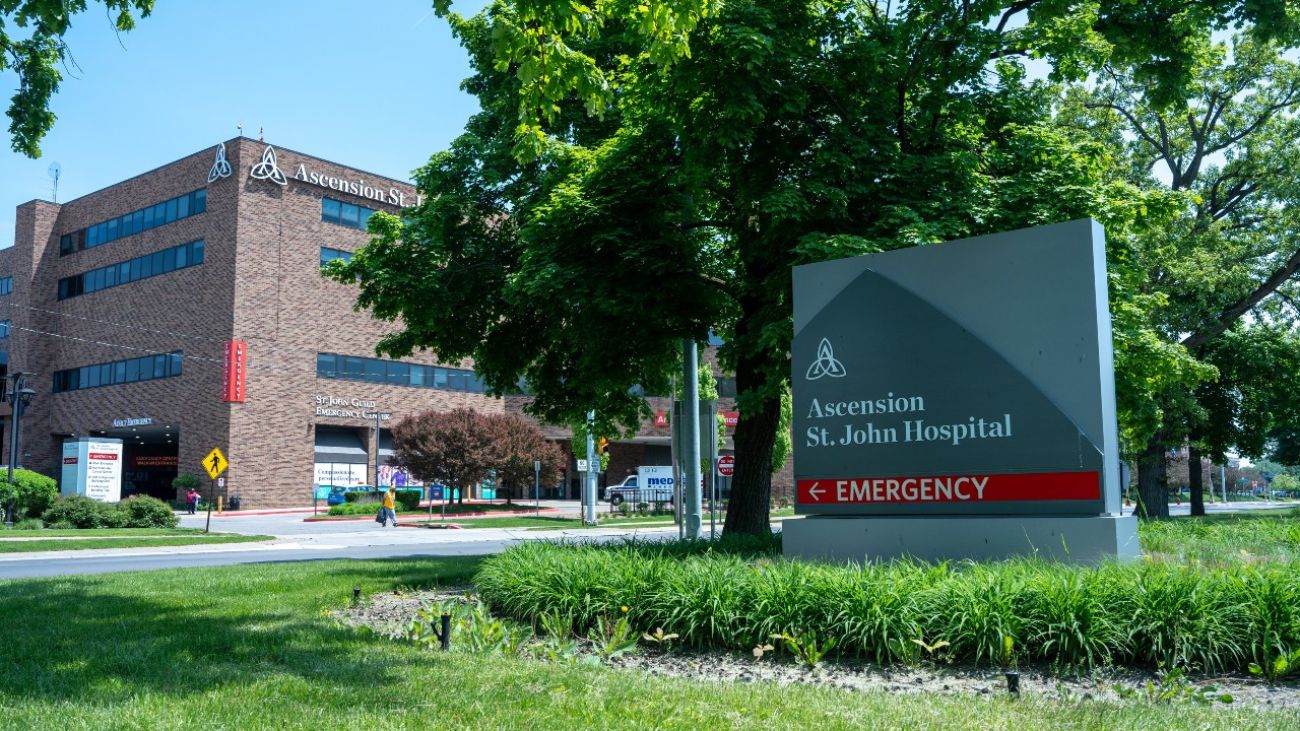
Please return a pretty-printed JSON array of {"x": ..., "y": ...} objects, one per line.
[
  {"x": 751, "y": 487},
  {"x": 1153, "y": 481},
  {"x": 1195, "y": 479}
]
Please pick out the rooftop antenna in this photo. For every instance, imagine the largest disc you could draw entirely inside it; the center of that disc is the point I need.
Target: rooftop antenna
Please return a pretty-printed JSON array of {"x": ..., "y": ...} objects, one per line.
[
  {"x": 55, "y": 170},
  {"x": 260, "y": 135},
  {"x": 240, "y": 126}
]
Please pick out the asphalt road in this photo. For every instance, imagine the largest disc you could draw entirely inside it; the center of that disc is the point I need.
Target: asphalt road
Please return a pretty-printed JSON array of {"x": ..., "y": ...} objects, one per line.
[
  {"x": 95, "y": 562},
  {"x": 299, "y": 541}
]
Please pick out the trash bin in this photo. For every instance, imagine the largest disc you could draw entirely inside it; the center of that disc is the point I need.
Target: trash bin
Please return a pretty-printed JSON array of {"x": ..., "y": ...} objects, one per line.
[{"x": 234, "y": 502}]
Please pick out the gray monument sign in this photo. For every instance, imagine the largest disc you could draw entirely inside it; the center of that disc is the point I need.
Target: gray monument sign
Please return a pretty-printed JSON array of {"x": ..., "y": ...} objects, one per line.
[{"x": 958, "y": 401}]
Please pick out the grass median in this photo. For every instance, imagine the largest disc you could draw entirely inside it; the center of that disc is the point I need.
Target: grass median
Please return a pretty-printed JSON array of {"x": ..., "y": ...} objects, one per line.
[
  {"x": 257, "y": 647},
  {"x": 552, "y": 522},
  {"x": 23, "y": 541}
]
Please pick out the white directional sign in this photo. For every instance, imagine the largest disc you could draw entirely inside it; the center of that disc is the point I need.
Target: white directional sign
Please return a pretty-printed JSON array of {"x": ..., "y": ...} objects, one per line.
[{"x": 582, "y": 465}]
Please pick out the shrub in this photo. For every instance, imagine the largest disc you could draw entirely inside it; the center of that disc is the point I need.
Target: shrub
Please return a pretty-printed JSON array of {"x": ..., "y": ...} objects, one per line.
[
  {"x": 35, "y": 492},
  {"x": 29, "y": 524},
  {"x": 356, "y": 497},
  {"x": 78, "y": 511},
  {"x": 366, "y": 508},
  {"x": 186, "y": 481},
  {"x": 142, "y": 511},
  {"x": 402, "y": 504},
  {"x": 739, "y": 595},
  {"x": 408, "y": 499}
]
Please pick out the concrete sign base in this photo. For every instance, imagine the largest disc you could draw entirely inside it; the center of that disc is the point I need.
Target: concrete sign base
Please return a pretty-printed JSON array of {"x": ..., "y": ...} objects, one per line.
[{"x": 1085, "y": 539}]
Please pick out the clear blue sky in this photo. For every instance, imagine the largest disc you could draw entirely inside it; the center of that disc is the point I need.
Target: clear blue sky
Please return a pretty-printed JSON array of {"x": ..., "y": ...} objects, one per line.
[{"x": 374, "y": 85}]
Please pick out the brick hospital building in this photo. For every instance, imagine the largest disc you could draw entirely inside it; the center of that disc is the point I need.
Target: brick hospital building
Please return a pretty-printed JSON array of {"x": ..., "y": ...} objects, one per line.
[{"x": 184, "y": 309}]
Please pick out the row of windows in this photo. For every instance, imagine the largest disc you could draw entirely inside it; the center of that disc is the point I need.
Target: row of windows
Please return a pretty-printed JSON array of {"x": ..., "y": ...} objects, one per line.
[
  {"x": 147, "y": 368},
  {"x": 345, "y": 214},
  {"x": 142, "y": 267},
  {"x": 6, "y": 286},
  {"x": 329, "y": 365},
  {"x": 133, "y": 223},
  {"x": 328, "y": 255}
]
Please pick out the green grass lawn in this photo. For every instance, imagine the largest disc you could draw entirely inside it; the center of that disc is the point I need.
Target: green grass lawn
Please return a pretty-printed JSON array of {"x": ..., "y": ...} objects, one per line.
[
  {"x": 1260, "y": 536},
  {"x": 545, "y": 522},
  {"x": 369, "y": 509},
  {"x": 146, "y": 539},
  {"x": 254, "y": 647},
  {"x": 105, "y": 532}
]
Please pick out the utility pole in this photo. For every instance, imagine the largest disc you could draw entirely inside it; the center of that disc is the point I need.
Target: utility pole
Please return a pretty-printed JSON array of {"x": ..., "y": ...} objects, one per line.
[
  {"x": 593, "y": 468},
  {"x": 1223, "y": 482},
  {"x": 691, "y": 434},
  {"x": 18, "y": 397},
  {"x": 376, "y": 449}
]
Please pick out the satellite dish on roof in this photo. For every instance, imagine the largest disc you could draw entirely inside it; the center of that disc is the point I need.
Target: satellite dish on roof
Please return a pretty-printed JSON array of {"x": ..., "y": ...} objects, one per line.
[{"x": 55, "y": 170}]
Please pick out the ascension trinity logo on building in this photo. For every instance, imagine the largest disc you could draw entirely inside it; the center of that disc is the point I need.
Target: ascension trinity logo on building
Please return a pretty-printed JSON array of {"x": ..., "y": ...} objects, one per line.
[
  {"x": 220, "y": 166},
  {"x": 268, "y": 168},
  {"x": 826, "y": 364}
]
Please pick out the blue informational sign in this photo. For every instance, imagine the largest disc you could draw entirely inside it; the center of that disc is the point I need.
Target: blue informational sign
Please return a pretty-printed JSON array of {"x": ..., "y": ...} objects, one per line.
[
  {"x": 321, "y": 492},
  {"x": 438, "y": 492}
]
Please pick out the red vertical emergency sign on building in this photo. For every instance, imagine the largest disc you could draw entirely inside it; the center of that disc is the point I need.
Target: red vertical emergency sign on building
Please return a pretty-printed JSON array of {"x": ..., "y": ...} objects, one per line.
[{"x": 233, "y": 371}]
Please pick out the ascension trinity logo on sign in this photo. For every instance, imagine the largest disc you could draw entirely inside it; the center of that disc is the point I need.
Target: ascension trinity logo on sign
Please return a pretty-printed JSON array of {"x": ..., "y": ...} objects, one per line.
[
  {"x": 268, "y": 168},
  {"x": 826, "y": 364},
  {"x": 220, "y": 166}
]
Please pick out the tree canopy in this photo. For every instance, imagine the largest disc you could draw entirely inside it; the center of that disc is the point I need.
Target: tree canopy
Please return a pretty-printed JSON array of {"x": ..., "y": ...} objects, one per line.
[
  {"x": 37, "y": 52},
  {"x": 644, "y": 173},
  {"x": 1222, "y": 273}
]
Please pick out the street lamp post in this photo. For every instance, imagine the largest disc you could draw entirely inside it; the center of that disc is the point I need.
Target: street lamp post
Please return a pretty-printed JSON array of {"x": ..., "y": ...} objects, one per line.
[{"x": 18, "y": 396}]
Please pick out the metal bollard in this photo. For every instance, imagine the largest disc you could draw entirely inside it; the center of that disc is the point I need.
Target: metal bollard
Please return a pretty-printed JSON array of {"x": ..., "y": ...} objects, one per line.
[
  {"x": 1013, "y": 683},
  {"x": 356, "y": 595}
]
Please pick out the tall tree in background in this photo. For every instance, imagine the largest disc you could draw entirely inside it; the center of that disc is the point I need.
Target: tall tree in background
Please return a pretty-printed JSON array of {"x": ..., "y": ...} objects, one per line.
[
  {"x": 516, "y": 444},
  {"x": 1222, "y": 274},
  {"x": 643, "y": 173},
  {"x": 453, "y": 448},
  {"x": 37, "y": 51}
]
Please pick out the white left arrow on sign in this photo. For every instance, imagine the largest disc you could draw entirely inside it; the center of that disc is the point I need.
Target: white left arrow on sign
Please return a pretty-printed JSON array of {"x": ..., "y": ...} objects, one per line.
[{"x": 814, "y": 492}]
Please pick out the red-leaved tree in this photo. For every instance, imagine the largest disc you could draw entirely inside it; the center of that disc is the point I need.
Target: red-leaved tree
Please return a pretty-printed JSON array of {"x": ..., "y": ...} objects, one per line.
[
  {"x": 517, "y": 443},
  {"x": 453, "y": 448}
]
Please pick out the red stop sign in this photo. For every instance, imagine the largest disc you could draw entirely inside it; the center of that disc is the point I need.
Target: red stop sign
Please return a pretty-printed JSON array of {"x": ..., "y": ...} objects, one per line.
[{"x": 726, "y": 466}]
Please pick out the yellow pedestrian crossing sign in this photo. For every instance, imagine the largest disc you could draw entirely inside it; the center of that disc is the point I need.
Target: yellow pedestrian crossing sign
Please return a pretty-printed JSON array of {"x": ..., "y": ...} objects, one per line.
[{"x": 215, "y": 463}]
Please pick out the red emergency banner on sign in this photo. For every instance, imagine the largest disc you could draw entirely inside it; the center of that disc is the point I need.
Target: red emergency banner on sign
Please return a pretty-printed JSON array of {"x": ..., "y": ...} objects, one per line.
[
  {"x": 233, "y": 371},
  {"x": 1038, "y": 486},
  {"x": 731, "y": 419},
  {"x": 105, "y": 456}
]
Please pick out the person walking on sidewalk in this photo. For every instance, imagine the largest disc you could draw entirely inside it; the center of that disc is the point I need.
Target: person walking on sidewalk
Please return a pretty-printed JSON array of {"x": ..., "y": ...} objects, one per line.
[
  {"x": 192, "y": 500},
  {"x": 389, "y": 512}
]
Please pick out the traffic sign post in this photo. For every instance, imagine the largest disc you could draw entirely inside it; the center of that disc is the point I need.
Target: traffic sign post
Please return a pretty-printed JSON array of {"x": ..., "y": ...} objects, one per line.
[
  {"x": 214, "y": 464},
  {"x": 537, "y": 486},
  {"x": 726, "y": 465}
]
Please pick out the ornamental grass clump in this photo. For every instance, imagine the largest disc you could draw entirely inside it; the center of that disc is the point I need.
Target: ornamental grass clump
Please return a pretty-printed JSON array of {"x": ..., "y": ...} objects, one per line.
[{"x": 999, "y": 614}]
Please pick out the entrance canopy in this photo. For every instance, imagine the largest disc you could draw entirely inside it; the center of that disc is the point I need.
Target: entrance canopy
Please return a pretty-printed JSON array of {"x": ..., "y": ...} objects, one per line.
[{"x": 340, "y": 445}]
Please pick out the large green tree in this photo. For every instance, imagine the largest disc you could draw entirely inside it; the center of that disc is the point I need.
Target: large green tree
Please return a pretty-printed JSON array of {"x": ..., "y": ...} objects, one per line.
[
  {"x": 1223, "y": 271},
  {"x": 32, "y": 46},
  {"x": 643, "y": 173}
]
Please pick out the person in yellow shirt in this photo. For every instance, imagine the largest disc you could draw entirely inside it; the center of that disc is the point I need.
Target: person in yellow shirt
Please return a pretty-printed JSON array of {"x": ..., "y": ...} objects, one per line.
[{"x": 388, "y": 512}]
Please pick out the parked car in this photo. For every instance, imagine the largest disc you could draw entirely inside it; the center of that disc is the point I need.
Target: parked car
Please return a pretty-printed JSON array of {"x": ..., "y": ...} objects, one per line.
[{"x": 336, "y": 496}]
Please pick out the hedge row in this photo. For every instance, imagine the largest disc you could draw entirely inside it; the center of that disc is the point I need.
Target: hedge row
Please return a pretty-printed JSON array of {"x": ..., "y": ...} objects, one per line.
[
  {"x": 139, "y": 511},
  {"x": 1137, "y": 615}
]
